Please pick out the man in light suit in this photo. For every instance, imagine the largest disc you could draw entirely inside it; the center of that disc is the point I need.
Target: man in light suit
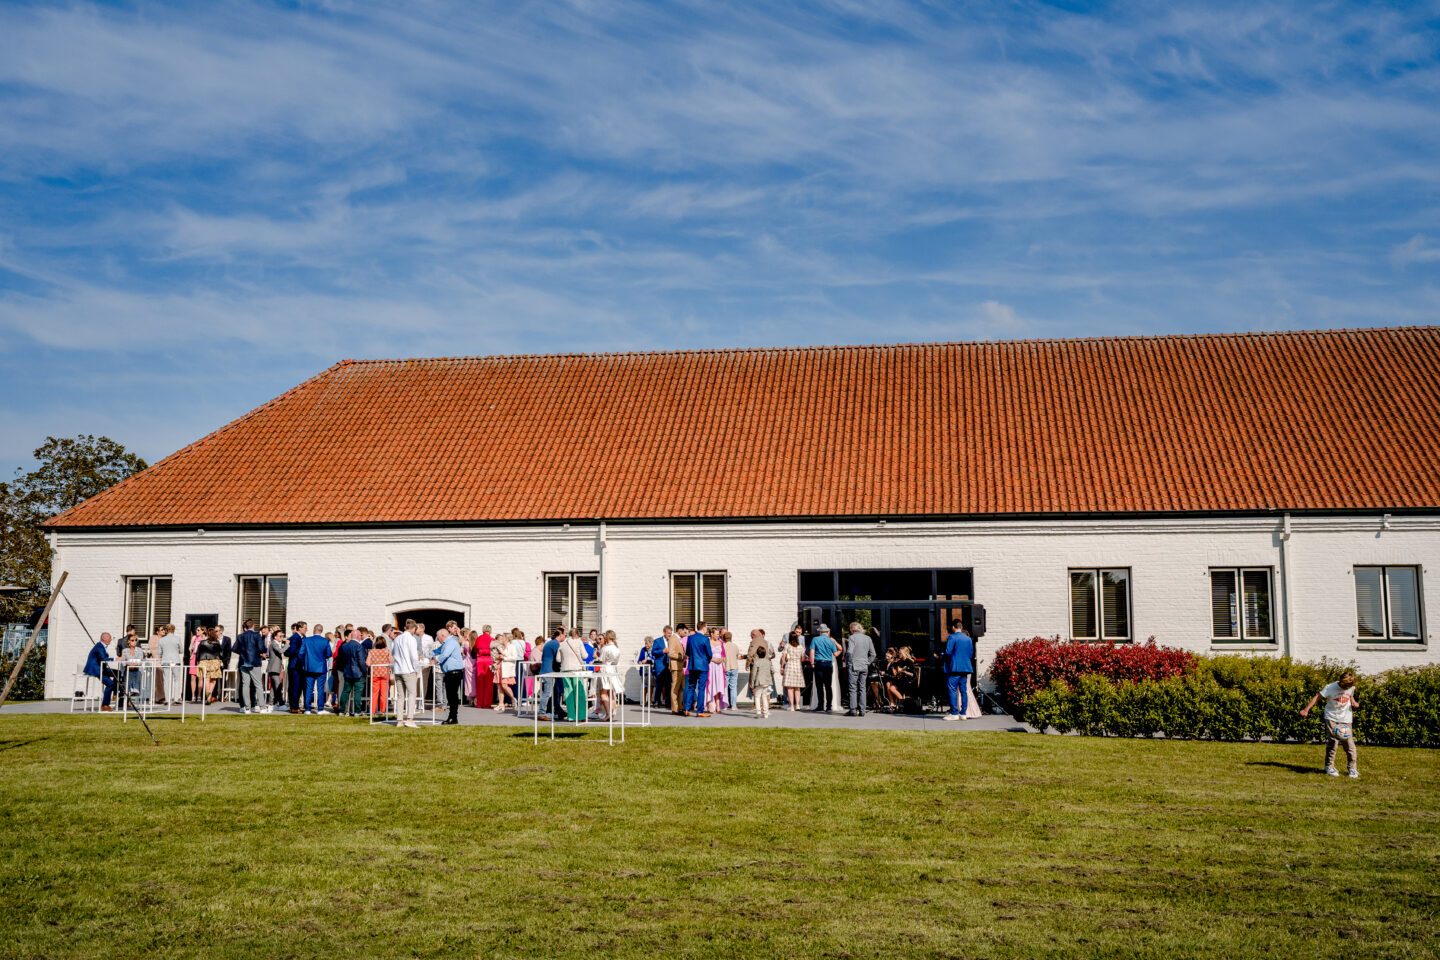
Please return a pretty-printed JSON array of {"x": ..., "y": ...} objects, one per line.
[
  {"x": 859, "y": 652},
  {"x": 959, "y": 664},
  {"x": 675, "y": 657},
  {"x": 697, "y": 648}
]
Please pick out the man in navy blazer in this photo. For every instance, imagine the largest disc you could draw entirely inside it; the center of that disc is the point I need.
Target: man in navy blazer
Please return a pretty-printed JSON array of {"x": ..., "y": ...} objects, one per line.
[
  {"x": 959, "y": 664},
  {"x": 698, "y": 656},
  {"x": 292, "y": 657},
  {"x": 352, "y": 668},
  {"x": 549, "y": 653},
  {"x": 314, "y": 656},
  {"x": 94, "y": 667},
  {"x": 250, "y": 650}
]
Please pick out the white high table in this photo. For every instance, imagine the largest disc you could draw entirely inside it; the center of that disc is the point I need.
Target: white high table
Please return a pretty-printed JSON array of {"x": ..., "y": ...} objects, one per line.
[{"x": 588, "y": 677}]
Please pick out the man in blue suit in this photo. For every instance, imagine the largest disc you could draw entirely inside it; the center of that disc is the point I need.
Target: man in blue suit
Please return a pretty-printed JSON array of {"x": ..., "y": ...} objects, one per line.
[
  {"x": 314, "y": 654},
  {"x": 352, "y": 668},
  {"x": 959, "y": 664},
  {"x": 698, "y": 657},
  {"x": 95, "y": 667},
  {"x": 292, "y": 657}
]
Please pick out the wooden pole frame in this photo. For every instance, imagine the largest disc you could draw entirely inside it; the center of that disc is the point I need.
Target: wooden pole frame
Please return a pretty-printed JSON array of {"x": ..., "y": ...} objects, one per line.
[{"x": 30, "y": 644}]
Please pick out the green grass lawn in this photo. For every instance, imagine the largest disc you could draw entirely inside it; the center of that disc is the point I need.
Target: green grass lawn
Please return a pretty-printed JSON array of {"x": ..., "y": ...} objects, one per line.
[{"x": 281, "y": 837}]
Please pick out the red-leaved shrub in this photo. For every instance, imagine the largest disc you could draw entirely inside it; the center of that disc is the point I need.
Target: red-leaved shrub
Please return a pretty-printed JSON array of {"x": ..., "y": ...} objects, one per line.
[{"x": 1024, "y": 666}]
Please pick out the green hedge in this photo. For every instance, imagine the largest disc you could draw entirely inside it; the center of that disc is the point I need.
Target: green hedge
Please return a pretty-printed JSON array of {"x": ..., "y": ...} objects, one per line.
[
  {"x": 30, "y": 685},
  {"x": 1243, "y": 698}
]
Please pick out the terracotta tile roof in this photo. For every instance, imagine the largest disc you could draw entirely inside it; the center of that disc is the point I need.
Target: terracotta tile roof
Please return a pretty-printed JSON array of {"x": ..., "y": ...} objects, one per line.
[{"x": 1298, "y": 421}]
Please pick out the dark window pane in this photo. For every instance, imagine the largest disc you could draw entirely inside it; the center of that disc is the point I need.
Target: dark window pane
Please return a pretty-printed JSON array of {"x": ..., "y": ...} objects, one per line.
[
  {"x": 817, "y": 585},
  {"x": 885, "y": 585},
  {"x": 953, "y": 584}
]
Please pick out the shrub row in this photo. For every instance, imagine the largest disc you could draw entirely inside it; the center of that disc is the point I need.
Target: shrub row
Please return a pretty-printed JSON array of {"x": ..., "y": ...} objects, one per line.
[
  {"x": 1025, "y": 666},
  {"x": 1242, "y": 698},
  {"x": 30, "y": 685}
]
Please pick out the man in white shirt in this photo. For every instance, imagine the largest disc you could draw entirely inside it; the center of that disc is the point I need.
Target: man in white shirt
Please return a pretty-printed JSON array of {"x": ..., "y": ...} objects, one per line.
[
  {"x": 572, "y": 659},
  {"x": 405, "y": 655},
  {"x": 426, "y": 645}
]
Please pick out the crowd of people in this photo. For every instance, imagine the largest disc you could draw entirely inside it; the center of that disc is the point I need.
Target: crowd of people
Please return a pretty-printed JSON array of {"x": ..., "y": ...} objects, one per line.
[
  {"x": 352, "y": 670},
  {"x": 697, "y": 672}
]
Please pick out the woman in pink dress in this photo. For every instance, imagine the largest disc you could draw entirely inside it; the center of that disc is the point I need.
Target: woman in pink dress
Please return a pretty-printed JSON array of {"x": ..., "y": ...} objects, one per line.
[
  {"x": 485, "y": 650},
  {"x": 716, "y": 689},
  {"x": 194, "y": 668}
]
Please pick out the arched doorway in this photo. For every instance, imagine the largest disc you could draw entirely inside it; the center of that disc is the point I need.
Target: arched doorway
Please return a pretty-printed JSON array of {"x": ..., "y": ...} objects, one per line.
[
  {"x": 433, "y": 612},
  {"x": 434, "y": 618}
]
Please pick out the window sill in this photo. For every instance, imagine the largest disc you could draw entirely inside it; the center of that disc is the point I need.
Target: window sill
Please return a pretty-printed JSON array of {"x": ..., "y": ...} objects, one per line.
[
  {"x": 1392, "y": 645},
  {"x": 1242, "y": 645}
]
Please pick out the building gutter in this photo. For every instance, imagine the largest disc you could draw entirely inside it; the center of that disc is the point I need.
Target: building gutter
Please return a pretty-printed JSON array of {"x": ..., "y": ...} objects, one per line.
[
  {"x": 600, "y": 544},
  {"x": 1286, "y": 548}
]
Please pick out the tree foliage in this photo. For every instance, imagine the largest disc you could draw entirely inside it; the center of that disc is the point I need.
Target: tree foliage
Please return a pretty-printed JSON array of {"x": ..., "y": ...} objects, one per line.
[{"x": 68, "y": 471}]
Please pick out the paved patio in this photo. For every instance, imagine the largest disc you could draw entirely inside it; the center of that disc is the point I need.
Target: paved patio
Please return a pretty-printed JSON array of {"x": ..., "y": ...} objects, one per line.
[{"x": 801, "y": 720}]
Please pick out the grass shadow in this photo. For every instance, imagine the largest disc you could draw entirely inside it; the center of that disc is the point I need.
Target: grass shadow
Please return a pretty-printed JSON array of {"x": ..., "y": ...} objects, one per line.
[
  {"x": 17, "y": 744},
  {"x": 544, "y": 735},
  {"x": 1292, "y": 767}
]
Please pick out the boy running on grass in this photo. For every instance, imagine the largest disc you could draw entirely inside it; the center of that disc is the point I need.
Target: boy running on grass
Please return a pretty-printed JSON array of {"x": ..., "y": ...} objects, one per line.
[{"x": 1339, "y": 704}]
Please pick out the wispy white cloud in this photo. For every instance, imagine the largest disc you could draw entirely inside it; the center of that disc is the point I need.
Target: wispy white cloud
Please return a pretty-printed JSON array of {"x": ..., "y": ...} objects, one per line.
[
  {"x": 1418, "y": 249},
  {"x": 349, "y": 179}
]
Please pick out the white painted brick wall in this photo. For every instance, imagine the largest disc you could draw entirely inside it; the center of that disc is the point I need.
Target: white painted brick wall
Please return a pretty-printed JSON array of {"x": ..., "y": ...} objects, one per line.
[{"x": 495, "y": 575}]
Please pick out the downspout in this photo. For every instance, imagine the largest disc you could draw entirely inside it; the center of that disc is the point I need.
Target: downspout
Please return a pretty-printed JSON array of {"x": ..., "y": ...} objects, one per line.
[
  {"x": 600, "y": 587},
  {"x": 1285, "y": 551}
]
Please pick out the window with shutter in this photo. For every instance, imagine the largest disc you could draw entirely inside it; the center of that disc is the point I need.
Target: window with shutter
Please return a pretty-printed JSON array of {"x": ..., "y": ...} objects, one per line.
[
  {"x": 587, "y": 602},
  {"x": 160, "y": 603},
  {"x": 1224, "y": 605},
  {"x": 1082, "y": 604},
  {"x": 683, "y": 599},
  {"x": 1115, "y": 599},
  {"x": 557, "y": 601},
  {"x": 276, "y": 591},
  {"x": 1256, "y": 590},
  {"x": 712, "y": 599},
  {"x": 1402, "y": 588},
  {"x": 137, "y": 605},
  {"x": 252, "y": 601},
  {"x": 1369, "y": 603}
]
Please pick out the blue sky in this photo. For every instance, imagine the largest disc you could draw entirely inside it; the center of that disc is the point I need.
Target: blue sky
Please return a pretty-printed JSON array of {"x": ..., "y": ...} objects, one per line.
[{"x": 201, "y": 205}]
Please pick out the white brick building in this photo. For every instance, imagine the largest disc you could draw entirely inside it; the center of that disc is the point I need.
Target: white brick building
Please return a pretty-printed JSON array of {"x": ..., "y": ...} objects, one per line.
[{"x": 605, "y": 500}]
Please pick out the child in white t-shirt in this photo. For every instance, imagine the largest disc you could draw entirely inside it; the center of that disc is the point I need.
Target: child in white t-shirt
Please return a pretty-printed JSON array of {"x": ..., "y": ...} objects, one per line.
[{"x": 1339, "y": 706}]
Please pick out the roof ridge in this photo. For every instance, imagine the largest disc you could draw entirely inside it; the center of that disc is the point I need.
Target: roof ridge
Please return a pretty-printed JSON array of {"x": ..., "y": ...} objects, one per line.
[
  {"x": 155, "y": 467},
  {"x": 818, "y": 347}
]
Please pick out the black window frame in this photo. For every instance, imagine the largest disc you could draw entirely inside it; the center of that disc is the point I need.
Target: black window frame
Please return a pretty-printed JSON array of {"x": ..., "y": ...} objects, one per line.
[
  {"x": 1419, "y": 639},
  {"x": 1239, "y": 573}
]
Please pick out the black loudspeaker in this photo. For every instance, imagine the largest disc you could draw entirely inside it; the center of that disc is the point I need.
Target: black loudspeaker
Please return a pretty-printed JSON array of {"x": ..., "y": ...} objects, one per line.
[
  {"x": 810, "y": 619},
  {"x": 977, "y": 620}
]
